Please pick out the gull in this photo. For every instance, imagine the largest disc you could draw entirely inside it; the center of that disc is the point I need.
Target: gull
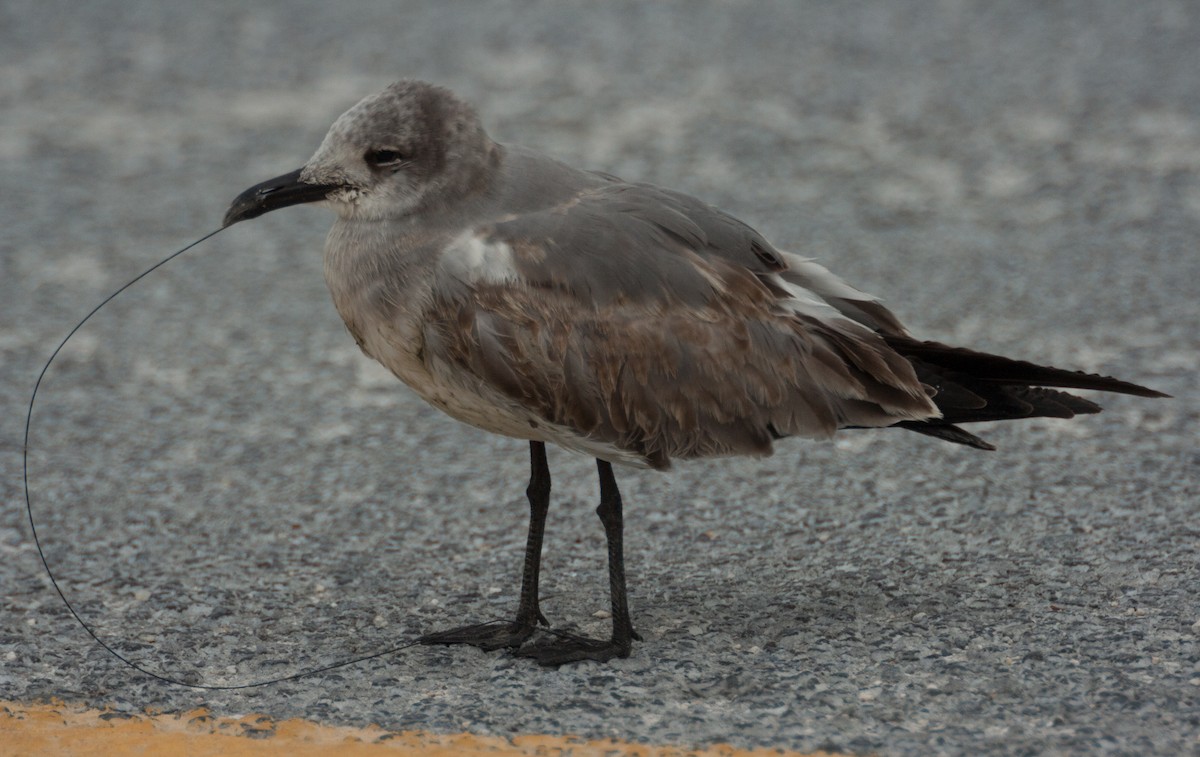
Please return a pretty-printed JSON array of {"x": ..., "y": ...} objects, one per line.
[{"x": 624, "y": 321}]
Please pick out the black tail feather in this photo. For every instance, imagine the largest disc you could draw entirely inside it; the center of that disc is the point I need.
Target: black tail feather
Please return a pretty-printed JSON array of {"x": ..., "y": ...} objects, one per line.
[
  {"x": 995, "y": 369},
  {"x": 947, "y": 432},
  {"x": 971, "y": 387}
]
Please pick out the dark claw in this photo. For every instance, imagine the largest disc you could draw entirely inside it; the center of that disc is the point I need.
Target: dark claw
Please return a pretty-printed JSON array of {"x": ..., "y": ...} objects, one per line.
[
  {"x": 562, "y": 648},
  {"x": 486, "y": 636}
]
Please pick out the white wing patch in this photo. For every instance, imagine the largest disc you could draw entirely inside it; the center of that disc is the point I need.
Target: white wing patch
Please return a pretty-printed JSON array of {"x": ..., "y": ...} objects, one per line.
[
  {"x": 802, "y": 300},
  {"x": 821, "y": 280},
  {"x": 472, "y": 259}
]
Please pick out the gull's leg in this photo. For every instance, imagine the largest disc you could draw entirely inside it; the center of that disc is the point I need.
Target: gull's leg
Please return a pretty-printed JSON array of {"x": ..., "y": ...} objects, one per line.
[
  {"x": 490, "y": 636},
  {"x": 562, "y": 647}
]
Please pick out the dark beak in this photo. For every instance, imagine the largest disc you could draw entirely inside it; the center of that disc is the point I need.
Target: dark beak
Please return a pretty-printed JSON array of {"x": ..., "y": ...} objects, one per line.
[{"x": 273, "y": 194}]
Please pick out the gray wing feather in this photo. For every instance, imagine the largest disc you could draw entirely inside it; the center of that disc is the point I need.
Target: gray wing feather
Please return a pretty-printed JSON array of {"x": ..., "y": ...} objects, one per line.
[{"x": 655, "y": 323}]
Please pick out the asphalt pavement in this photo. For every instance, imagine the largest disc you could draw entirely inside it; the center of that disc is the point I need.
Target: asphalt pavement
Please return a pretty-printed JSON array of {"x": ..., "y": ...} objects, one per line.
[{"x": 228, "y": 491}]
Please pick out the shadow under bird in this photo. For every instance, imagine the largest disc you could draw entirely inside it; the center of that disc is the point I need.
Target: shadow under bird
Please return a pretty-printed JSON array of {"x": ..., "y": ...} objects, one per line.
[{"x": 632, "y": 323}]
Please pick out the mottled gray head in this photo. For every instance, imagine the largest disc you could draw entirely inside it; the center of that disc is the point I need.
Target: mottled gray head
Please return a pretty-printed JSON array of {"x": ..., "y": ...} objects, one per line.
[{"x": 400, "y": 151}]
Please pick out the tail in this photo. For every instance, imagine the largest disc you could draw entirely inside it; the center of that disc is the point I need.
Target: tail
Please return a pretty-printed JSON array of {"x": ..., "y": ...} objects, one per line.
[{"x": 974, "y": 386}]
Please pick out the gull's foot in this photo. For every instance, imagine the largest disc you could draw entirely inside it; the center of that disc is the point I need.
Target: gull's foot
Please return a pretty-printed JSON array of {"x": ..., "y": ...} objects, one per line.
[
  {"x": 486, "y": 636},
  {"x": 561, "y": 647}
]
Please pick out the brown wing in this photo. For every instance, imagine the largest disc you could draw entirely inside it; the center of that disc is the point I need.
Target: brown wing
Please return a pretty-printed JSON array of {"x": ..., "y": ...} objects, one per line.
[{"x": 630, "y": 316}]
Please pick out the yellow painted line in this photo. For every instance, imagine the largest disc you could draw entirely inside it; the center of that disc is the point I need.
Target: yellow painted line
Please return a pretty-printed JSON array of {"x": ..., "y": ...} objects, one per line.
[{"x": 60, "y": 729}]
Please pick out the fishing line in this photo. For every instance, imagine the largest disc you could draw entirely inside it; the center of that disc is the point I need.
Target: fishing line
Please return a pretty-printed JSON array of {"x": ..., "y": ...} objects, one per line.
[{"x": 45, "y": 563}]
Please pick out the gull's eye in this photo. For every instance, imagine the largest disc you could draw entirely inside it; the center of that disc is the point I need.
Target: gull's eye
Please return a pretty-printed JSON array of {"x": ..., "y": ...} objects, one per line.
[{"x": 384, "y": 158}]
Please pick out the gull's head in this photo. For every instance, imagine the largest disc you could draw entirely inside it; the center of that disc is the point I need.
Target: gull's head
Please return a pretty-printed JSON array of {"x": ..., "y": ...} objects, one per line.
[{"x": 395, "y": 153}]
